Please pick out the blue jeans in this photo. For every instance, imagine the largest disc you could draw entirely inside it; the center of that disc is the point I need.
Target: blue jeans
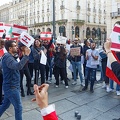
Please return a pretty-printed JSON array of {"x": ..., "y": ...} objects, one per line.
[
  {"x": 51, "y": 66},
  {"x": 77, "y": 65},
  {"x": 112, "y": 85},
  {"x": 12, "y": 96},
  {"x": 90, "y": 72}
]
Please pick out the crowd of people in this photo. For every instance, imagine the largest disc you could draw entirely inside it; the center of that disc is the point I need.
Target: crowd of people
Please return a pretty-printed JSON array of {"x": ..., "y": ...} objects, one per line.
[{"x": 20, "y": 60}]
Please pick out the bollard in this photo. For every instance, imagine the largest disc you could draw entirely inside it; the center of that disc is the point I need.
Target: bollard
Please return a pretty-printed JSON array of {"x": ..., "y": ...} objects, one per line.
[
  {"x": 78, "y": 116},
  {"x": 76, "y": 113}
]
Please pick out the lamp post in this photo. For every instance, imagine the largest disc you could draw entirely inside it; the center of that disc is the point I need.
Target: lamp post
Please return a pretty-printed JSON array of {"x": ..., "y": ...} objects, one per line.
[{"x": 54, "y": 35}]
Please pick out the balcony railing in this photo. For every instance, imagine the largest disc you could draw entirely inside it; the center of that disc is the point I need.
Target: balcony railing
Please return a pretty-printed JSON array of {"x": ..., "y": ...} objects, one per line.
[
  {"x": 78, "y": 7},
  {"x": 94, "y": 10},
  {"x": 48, "y": 10},
  {"x": 62, "y": 7},
  {"x": 115, "y": 14},
  {"x": 88, "y": 9}
]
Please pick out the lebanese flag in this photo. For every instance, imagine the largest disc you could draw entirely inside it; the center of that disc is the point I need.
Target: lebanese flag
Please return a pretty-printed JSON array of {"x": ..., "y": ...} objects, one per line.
[
  {"x": 109, "y": 72},
  {"x": 1, "y": 29},
  {"x": 2, "y": 51},
  {"x": 17, "y": 29},
  {"x": 115, "y": 38},
  {"x": 45, "y": 35}
]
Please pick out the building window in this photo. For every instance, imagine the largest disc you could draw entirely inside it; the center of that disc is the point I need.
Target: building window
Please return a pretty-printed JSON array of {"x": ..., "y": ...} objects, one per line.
[
  {"x": 78, "y": 16},
  {"x": 94, "y": 20},
  {"x": 62, "y": 2},
  {"x": 88, "y": 18},
  {"x": 104, "y": 21},
  {"x": 118, "y": 10},
  {"x": 77, "y": 2},
  {"x": 62, "y": 16},
  {"x": 48, "y": 18},
  {"x": 43, "y": 19},
  {"x": 99, "y": 21}
]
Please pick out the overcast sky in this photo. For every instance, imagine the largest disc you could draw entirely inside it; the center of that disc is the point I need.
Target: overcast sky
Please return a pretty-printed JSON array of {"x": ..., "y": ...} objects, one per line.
[{"x": 4, "y": 1}]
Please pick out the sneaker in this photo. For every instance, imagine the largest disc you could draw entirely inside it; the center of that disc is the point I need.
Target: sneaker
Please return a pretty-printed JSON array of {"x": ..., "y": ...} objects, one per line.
[
  {"x": 84, "y": 89},
  {"x": 82, "y": 84},
  {"x": 92, "y": 91},
  {"x": 104, "y": 86},
  {"x": 66, "y": 87},
  {"x": 56, "y": 86},
  {"x": 74, "y": 83},
  {"x": 49, "y": 82},
  {"x": 118, "y": 93},
  {"x": 109, "y": 89}
]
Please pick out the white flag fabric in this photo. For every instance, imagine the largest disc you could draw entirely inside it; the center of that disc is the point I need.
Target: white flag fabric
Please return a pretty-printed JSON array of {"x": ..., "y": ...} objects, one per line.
[
  {"x": 26, "y": 39},
  {"x": 43, "y": 59},
  {"x": 115, "y": 38},
  {"x": 17, "y": 29}
]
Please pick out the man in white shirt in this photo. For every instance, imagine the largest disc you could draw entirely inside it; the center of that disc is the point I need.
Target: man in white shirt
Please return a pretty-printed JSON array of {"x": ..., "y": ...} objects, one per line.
[{"x": 91, "y": 66}]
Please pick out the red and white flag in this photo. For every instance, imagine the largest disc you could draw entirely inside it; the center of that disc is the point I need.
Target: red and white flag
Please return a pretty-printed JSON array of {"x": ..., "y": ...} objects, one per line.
[
  {"x": 2, "y": 51},
  {"x": 1, "y": 29},
  {"x": 45, "y": 35},
  {"x": 115, "y": 38},
  {"x": 109, "y": 71},
  {"x": 17, "y": 29},
  {"x": 26, "y": 39}
]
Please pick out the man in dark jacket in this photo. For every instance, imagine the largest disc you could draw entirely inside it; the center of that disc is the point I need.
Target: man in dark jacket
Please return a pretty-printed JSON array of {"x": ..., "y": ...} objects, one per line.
[{"x": 11, "y": 78}]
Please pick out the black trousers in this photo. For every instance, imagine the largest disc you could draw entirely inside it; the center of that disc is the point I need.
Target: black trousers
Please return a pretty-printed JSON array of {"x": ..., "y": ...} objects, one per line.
[
  {"x": 61, "y": 71},
  {"x": 47, "y": 70},
  {"x": 42, "y": 73},
  {"x": 31, "y": 66},
  {"x": 1, "y": 81},
  {"x": 28, "y": 77},
  {"x": 106, "y": 79}
]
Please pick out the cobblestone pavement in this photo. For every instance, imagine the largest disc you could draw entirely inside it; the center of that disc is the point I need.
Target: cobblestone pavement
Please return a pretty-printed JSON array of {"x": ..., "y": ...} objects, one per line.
[{"x": 99, "y": 105}]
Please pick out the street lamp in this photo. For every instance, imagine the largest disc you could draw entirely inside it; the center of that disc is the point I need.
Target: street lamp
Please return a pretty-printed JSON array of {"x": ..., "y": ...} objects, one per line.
[{"x": 54, "y": 35}]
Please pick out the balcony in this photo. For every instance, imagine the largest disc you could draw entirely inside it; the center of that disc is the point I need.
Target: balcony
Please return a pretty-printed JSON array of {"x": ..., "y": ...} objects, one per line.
[
  {"x": 94, "y": 10},
  {"x": 89, "y": 9},
  {"x": 48, "y": 10},
  {"x": 62, "y": 7},
  {"x": 78, "y": 7},
  {"x": 115, "y": 14},
  {"x": 99, "y": 11}
]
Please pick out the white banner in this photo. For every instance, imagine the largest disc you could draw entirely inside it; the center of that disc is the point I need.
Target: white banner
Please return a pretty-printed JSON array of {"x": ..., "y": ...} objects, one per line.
[{"x": 26, "y": 39}]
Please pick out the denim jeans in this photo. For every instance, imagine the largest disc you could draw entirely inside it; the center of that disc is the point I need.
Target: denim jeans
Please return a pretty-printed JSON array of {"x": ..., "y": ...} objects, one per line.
[
  {"x": 12, "y": 96},
  {"x": 77, "y": 65},
  {"x": 90, "y": 72},
  {"x": 51, "y": 66},
  {"x": 112, "y": 85}
]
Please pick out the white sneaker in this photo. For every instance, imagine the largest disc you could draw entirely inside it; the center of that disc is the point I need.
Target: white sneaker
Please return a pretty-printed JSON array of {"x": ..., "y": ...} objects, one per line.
[
  {"x": 104, "y": 86},
  {"x": 74, "y": 83},
  {"x": 66, "y": 87},
  {"x": 56, "y": 86},
  {"x": 118, "y": 93},
  {"x": 109, "y": 89},
  {"x": 49, "y": 82},
  {"x": 82, "y": 84}
]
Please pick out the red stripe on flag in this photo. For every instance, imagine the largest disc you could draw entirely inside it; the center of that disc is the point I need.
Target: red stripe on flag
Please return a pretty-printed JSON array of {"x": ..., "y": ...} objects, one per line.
[
  {"x": 116, "y": 29},
  {"x": 111, "y": 75},
  {"x": 115, "y": 45},
  {"x": 27, "y": 37},
  {"x": 1, "y": 30},
  {"x": 1, "y": 24},
  {"x": 20, "y": 27},
  {"x": 25, "y": 41},
  {"x": 16, "y": 34}
]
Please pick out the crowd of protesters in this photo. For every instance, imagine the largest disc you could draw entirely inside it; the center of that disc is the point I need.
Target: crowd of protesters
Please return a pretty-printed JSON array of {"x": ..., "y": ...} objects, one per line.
[{"x": 21, "y": 61}]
